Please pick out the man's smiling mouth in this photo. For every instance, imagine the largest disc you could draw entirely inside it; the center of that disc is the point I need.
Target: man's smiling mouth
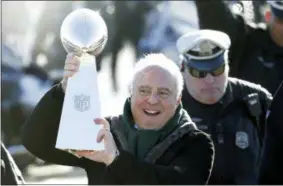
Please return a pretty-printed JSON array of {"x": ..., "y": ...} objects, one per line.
[{"x": 151, "y": 112}]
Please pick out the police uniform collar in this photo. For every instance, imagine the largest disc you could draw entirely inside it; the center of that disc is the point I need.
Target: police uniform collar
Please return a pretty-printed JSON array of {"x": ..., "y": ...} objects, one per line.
[{"x": 226, "y": 99}]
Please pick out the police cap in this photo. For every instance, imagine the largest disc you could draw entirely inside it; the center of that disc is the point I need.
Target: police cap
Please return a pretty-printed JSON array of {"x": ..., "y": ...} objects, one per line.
[
  {"x": 203, "y": 49},
  {"x": 276, "y": 8}
]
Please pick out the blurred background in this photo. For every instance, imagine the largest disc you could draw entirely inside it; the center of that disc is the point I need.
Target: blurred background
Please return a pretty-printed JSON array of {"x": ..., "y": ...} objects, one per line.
[{"x": 33, "y": 57}]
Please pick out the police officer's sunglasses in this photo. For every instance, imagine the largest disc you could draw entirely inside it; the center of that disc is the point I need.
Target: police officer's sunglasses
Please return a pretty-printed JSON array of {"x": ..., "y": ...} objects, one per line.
[{"x": 202, "y": 74}]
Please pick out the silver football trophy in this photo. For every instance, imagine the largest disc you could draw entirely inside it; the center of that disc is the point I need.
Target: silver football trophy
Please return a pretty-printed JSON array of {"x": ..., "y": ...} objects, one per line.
[{"x": 84, "y": 33}]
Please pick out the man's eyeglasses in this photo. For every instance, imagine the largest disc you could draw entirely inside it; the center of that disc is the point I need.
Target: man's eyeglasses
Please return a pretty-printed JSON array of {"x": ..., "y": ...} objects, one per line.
[{"x": 201, "y": 74}]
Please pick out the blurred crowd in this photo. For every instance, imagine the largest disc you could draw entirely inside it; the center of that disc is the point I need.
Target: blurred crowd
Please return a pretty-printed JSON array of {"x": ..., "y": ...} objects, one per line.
[{"x": 33, "y": 56}]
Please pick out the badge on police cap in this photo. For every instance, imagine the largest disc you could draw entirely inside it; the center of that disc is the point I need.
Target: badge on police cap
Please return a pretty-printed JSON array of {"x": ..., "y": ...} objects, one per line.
[
  {"x": 205, "y": 48},
  {"x": 242, "y": 140}
]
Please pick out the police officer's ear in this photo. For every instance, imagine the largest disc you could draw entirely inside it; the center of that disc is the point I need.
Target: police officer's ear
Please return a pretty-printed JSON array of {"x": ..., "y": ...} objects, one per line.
[
  {"x": 267, "y": 16},
  {"x": 181, "y": 63},
  {"x": 182, "y": 67}
]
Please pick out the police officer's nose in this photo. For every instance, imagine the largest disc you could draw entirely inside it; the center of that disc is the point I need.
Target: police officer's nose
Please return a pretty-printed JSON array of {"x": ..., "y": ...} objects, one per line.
[
  {"x": 153, "y": 98},
  {"x": 209, "y": 78}
]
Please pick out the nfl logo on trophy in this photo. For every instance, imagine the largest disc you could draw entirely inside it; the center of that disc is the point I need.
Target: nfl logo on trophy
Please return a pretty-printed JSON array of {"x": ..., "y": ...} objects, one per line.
[{"x": 82, "y": 103}]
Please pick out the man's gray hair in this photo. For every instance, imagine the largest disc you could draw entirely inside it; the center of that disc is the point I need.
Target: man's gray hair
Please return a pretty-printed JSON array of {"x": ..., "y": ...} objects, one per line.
[{"x": 159, "y": 60}]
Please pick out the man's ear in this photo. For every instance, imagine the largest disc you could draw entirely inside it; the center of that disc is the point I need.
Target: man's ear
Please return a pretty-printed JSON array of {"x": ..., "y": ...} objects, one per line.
[
  {"x": 267, "y": 16},
  {"x": 179, "y": 100}
]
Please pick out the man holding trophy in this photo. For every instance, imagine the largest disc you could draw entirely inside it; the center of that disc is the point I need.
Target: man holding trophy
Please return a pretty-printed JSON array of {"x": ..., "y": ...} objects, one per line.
[{"x": 154, "y": 141}]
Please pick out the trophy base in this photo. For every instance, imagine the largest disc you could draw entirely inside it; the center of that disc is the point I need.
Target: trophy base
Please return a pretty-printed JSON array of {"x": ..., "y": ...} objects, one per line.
[{"x": 73, "y": 152}]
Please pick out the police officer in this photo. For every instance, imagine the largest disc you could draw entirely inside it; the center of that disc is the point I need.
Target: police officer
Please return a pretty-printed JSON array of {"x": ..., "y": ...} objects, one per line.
[
  {"x": 270, "y": 170},
  {"x": 10, "y": 173},
  {"x": 256, "y": 49},
  {"x": 231, "y": 110}
]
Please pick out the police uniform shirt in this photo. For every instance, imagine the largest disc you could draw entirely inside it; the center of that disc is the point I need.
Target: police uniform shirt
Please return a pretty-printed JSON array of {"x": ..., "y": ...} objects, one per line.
[{"x": 235, "y": 137}]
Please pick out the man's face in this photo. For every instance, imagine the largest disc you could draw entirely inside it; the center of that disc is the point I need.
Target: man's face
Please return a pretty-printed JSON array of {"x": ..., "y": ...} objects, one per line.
[
  {"x": 276, "y": 29},
  {"x": 209, "y": 89},
  {"x": 154, "y": 98}
]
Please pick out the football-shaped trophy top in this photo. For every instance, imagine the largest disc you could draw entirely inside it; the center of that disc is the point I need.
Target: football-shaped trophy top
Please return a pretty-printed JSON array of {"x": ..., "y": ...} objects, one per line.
[{"x": 84, "y": 31}]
